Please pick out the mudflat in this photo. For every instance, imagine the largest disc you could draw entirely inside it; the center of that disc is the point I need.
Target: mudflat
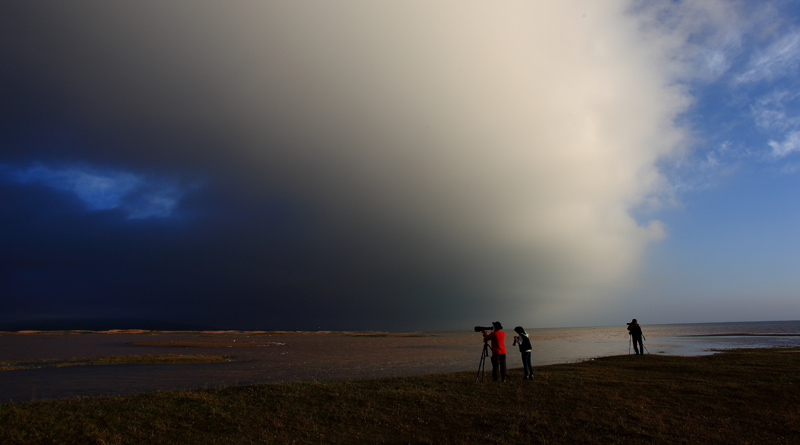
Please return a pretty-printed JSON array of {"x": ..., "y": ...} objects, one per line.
[{"x": 35, "y": 362}]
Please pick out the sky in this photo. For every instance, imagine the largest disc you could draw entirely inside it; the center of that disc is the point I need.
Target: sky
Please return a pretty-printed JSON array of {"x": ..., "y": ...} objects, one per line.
[{"x": 393, "y": 165}]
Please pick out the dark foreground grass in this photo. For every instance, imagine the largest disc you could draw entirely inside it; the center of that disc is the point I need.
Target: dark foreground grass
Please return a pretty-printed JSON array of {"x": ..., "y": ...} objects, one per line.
[{"x": 750, "y": 396}]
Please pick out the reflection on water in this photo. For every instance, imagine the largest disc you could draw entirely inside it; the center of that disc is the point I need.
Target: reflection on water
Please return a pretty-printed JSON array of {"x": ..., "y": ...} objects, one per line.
[{"x": 274, "y": 358}]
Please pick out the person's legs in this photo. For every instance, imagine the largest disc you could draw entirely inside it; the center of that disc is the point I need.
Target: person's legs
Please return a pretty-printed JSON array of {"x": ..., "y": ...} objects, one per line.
[
  {"x": 526, "y": 365},
  {"x": 641, "y": 345},
  {"x": 495, "y": 360},
  {"x": 503, "y": 366}
]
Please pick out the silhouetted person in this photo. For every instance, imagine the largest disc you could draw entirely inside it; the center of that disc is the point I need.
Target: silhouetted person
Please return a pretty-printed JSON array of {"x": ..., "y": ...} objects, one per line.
[
  {"x": 525, "y": 349},
  {"x": 635, "y": 331},
  {"x": 497, "y": 337}
]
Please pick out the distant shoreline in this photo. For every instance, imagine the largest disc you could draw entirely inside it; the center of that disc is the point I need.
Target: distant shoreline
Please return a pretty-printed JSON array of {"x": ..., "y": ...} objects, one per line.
[
  {"x": 210, "y": 332},
  {"x": 742, "y": 334},
  {"x": 175, "y": 328}
]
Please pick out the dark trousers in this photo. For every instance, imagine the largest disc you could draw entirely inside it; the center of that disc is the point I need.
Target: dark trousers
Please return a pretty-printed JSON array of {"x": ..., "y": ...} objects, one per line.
[
  {"x": 637, "y": 341},
  {"x": 499, "y": 361},
  {"x": 526, "y": 364}
]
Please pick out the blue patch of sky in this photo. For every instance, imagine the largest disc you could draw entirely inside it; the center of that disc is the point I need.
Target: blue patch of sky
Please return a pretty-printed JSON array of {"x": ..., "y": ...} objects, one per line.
[
  {"x": 138, "y": 196},
  {"x": 740, "y": 237},
  {"x": 735, "y": 228},
  {"x": 745, "y": 118}
]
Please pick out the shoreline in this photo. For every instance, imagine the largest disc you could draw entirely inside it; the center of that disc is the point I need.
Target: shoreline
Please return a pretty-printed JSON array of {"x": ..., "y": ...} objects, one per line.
[{"x": 215, "y": 332}]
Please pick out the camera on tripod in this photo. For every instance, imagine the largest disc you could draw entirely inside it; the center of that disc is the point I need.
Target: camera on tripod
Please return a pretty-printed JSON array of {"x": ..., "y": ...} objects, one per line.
[
  {"x": 483, "y": 328},
  {"x": 496, "y": 326}
]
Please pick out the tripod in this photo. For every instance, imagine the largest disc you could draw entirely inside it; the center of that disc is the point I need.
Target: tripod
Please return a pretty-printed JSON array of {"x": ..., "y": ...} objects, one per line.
[
  {"x": 641, "y": 350},
  {"x": 482, "y": 364}
]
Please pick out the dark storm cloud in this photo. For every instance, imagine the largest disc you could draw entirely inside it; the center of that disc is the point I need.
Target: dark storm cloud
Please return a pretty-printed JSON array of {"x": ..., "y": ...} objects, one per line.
[{"x": 347, "y": 165}]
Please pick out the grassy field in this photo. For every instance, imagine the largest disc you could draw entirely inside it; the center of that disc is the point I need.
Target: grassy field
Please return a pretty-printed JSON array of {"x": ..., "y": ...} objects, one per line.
[{"x": 750, "y": 396}]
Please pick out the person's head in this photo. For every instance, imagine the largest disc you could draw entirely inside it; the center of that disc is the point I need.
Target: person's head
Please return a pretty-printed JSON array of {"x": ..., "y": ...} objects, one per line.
[
  {"x": 519, "y": 330},
  {"x": 496, "y": 325},
  {"x": 634, "y": 321}
]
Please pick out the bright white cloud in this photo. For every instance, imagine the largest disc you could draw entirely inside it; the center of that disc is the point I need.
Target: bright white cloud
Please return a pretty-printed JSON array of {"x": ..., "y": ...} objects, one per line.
[{"x": 527, "y": 129}]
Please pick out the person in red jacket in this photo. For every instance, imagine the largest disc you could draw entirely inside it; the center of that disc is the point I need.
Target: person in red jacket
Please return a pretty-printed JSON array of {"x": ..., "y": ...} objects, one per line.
[{"x": 497, "y": 337}]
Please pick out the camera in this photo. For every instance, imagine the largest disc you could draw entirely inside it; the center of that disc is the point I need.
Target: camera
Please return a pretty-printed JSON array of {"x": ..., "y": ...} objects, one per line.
[
  {"x": 483, "y": 328},
  {"x": 516, "y": 340}
]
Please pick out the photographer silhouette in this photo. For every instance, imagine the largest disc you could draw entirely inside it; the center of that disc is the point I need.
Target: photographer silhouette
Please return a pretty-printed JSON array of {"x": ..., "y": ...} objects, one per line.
[{"x": 497, "y": 338}]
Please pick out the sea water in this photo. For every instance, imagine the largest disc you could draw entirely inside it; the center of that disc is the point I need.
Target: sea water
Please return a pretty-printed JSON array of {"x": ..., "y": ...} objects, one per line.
[
  {"x": 315, "y": 356},
  {"x": 576, "y": 344}
]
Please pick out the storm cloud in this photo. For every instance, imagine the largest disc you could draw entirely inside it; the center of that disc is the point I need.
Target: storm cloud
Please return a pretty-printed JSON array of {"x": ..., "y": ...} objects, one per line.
[{"x": 335, "y": 165}]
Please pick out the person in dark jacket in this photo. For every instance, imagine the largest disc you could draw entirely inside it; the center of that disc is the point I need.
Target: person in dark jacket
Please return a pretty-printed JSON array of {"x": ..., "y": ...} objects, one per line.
[
  {"x": 497, "y": 337},
  {"x": 525, "y": 349},
  {"x": 635, "y": 331}
]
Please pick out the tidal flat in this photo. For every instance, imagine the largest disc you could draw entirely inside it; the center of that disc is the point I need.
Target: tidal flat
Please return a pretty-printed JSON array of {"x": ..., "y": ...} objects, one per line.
[
  {"x": 33, "y": 365},
  {"x": 50, "y": 365},
  {"x": 737, "y": 397}
]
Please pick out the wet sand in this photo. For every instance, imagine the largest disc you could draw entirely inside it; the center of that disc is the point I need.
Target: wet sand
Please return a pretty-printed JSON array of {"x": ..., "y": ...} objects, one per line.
[{"x": 260, "y": 358}]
